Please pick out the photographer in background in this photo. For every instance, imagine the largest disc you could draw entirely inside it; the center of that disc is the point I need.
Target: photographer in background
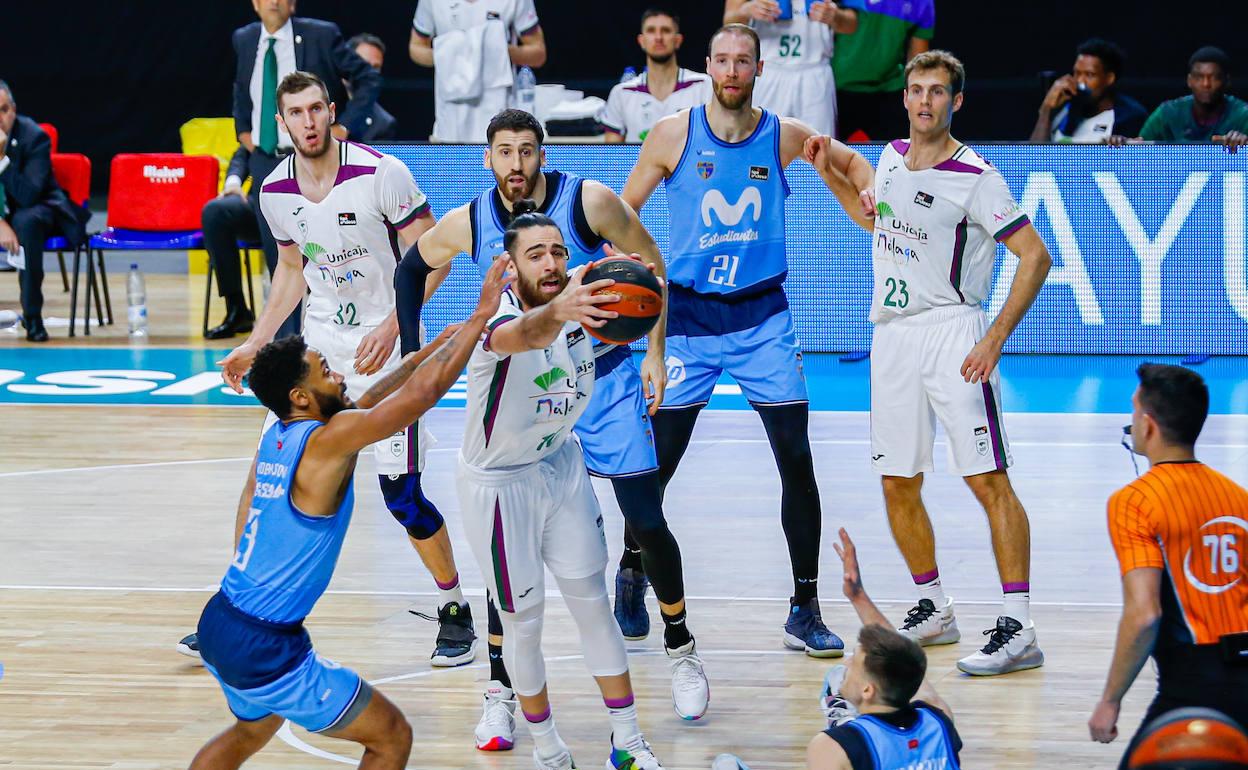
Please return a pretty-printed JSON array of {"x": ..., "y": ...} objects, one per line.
[{"x": 1085, "y": 106}]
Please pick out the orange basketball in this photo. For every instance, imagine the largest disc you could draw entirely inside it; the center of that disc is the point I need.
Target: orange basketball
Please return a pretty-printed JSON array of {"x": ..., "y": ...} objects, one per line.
[
  {"x": 641, "y": 299},
  {"x": 1191, "y": 739}
]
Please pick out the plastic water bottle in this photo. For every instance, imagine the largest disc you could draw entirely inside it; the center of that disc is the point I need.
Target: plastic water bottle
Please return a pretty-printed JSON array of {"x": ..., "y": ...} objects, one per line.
[
  {"x": 136, "y": 298},
  {"x": 526, "y": 90},
  {"x": 629, "y": 74},
  {"x": 7, "y": 318}
]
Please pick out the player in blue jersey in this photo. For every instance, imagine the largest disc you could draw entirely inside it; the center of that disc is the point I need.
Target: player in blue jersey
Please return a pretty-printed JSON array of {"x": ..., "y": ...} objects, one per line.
[
  {"x": 723, "y": 164},
  {"x": 299, "y": 502},
  {"x": 614, "y": 431}
]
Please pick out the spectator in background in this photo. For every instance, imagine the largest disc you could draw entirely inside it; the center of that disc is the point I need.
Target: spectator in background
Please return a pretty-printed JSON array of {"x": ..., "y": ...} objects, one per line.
[
  {"x": 1085, "y": 107},
  {"x": 460, "y": 116},
  {"x": 267, "y": 51},
  {"x": 796, "y": 80},
  {"x": 1209, "y": 114},
  {"x": 662, "y": 89},
  {"x": 226, "y": 220},
  {"x": 870, "y": 65},
  {"x": 381, "y": 124},
  {"x": 34, "y": 207}
]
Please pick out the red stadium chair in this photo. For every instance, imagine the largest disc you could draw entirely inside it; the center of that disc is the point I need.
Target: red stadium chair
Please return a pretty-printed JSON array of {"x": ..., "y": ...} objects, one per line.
[
  {"x": 154, "y": 204},
  {"x": 53, "y": 135},
  {"x": 73, "y": 174}
]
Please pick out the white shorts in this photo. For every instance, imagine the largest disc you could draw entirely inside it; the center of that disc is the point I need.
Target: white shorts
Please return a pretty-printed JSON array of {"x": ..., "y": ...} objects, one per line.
[
  {"x": 916, "y": 378},
  {"x": 808, "y": 94},
  {"x": 405, "y": 451},
  {"x": 518, "y": 520}
]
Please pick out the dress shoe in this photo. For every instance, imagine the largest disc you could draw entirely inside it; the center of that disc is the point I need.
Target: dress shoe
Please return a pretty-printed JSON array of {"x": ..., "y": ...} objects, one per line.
[
  {"x": 237, "y": 321},
  {"x": 35, "y": 330}
]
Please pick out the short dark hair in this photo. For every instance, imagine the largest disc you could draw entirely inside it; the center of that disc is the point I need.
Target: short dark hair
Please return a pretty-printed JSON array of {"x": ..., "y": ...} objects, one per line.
[
  {"x": 653, "y": 11},
  {"x": 300, "y": 81},
  {"x": 5, "y": 87},
  {"x": 367, "y": 38},
  {"x": 938, "y": 59},
  {"x": 1211, "y": 55},
  {"x": 1111, "y": 54},
  {"x": 524, "y": 214},
  {"x": 514, "y": 120},
  {"x": 895, "y": 663},
  {"x": 737, "y": 29},
  {"x": 278, "y": 367},
  {"x": 1176, "y": 398}
]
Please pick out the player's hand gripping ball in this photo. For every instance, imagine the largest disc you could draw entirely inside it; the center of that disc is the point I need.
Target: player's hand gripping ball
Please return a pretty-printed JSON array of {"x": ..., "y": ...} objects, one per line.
[{"x": 641, "y": 299}]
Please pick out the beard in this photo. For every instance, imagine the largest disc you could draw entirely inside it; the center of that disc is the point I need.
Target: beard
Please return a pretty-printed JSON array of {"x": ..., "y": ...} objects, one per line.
[
  {"x": 332, "y": 404},
  {"x": 661, "y": 58},
  {"x": 531, "y": 293},
  {"x": 506, "y": 191},
  {"x": 319, "y": 151},
  {"x": 736, "y": 102}
]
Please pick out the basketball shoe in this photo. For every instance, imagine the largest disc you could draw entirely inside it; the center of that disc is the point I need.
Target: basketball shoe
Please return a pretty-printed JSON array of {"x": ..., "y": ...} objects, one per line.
[
  {"x": 691, "y": 692},
  {"x": 456, "y": 643},
  {"x": 189, "y": 646},
  {"x": 635, "y": 754},
  {"x": 835, "y": 708},
  {"x": 561, "y": 761},
  {"x": 630, "y": 604},
  {"x": 928, "y": 626},
  {"x": 804, "y": 630},
  {"x": 1010, "y": 647},
  {"x": 497, "y": 729}
]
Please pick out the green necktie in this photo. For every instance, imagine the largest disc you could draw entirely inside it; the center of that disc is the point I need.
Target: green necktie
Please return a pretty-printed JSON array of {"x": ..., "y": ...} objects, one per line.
[{"x": 268, "y": 101}]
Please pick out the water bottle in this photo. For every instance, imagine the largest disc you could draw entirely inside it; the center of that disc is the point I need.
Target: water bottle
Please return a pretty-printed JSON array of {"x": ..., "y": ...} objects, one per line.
[
  {"x": 7, "y": 318},
  {"x": 136, "y": 298},
  {"x": 526, "y": 90},
  {"x": 629, "y": 74}
]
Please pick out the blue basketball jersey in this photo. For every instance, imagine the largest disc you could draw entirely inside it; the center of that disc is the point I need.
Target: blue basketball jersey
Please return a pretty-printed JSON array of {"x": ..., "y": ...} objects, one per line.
[
  {"x": 285, "y": 558},
  {"x": 563, "y": 205},
  {"x": 925, "y": 745},
  {"x": 726, "y": 202}
]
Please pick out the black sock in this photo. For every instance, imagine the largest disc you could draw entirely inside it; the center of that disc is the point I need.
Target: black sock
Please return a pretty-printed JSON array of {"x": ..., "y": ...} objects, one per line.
[
  {"x": 497, "y": 669},
  {"x": 630, "y": 557},
  {"x": 675, "y": 632},
  {"x": 804, "y": 590}
]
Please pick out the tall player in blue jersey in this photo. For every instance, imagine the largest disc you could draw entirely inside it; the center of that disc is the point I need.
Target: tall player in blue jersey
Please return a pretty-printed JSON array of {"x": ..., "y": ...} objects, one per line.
[
  {"x": 723, "y": 164},
  {"x": 614, "y": 430},
  {"x": 299, "y": 502}
]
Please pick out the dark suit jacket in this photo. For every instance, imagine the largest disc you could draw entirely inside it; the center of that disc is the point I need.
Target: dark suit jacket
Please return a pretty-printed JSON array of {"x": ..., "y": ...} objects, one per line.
[
  {"x": 381, "y": 125},
  {"x": 28, "y": 181},
  {"x": 239, "y": 165},
  {"x": 319, "y": 49}
]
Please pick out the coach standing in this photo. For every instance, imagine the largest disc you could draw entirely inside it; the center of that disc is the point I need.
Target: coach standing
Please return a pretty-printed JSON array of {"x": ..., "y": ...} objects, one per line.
[
  {"x": 1179, "y": 532},
  {"x": 267, "y": 51}
]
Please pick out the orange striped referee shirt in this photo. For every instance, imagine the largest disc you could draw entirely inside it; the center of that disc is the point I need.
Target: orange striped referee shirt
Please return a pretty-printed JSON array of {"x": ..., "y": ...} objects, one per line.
[{"x": 1191, "y": 522}]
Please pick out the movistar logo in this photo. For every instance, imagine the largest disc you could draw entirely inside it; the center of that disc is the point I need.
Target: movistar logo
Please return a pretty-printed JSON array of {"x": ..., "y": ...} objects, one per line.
[
  {"x": 729, "y": 214},
  {"x": 884, "y": 210},
  {"x": 548, "y": 379}
]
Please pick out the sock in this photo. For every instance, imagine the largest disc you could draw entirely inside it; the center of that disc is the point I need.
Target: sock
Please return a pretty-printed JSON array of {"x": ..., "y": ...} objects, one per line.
[
  {"x": 498, "y": 671},
  {"x": 929, "y": 587},
  {"x": 449, "y": 592},
  {"x": 1017, "y": 602},
  {"x": 623, "y": 714},
  {"x": 546, "y": 739},
  {"x": 675, "y": 632},
  {"x": 631, "y": 558}
]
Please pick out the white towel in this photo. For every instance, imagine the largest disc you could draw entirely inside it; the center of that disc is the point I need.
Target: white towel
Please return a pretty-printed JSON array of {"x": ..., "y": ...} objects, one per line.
[
  {"x": 496, "y": 69},
  {"x": 469, "y": 61}
]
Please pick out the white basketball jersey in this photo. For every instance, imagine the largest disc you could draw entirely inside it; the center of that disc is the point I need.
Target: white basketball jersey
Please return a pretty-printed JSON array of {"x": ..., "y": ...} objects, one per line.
[
  {"x": 632, "y": 110},
  {"x": 437, "y": 17},
  {"x": 348, "y": 240},
  {"x": 936, "y": 231},
  {"x": 522, "y": 407},
  {"x": 794, "y": 43}
]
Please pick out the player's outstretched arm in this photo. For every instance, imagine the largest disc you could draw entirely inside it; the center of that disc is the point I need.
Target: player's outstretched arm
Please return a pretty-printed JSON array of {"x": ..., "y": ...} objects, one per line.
[
  {"x": 654, "y": 162},
  {"x": 536, "y": 329},
  {"x": 847, "y": 174},
  {"x": 288, "y": 289},
  {"x": 351, "y": 430},
  {"x": 423, "y": 268}
]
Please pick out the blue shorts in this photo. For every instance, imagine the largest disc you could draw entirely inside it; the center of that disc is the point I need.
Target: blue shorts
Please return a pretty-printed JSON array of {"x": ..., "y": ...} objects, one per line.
[
  {"x": 615, "y": 429},
  {"x": 753, "y": 339}
]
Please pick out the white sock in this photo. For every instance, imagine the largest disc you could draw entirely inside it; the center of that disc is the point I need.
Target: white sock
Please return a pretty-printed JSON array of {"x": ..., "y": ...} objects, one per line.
[
  {"x": 932, "y": 590},
  {"x": 623, "y": 723},
  {"x": 449, "y": 593},
  {"x": 1017, "y": 605},
  {"x": 545, "y": 737}
]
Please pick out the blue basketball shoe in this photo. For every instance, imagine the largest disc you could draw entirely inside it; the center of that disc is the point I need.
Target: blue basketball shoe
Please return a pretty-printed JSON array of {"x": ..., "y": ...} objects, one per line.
[
  {"x": 804, "y": 630},
  {"x": 630, "y": 604}
]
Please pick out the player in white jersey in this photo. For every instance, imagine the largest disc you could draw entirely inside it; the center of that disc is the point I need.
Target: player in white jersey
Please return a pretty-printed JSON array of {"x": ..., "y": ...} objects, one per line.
[
  {"x": 524, "y": 491},
  {"x": 339, "y": 212},
  {"x": 797, "y": 80},
  {"x": 462, "y": 118},
  {"x": 940, "y": 210},
  {"x": 663, "y": 88}
]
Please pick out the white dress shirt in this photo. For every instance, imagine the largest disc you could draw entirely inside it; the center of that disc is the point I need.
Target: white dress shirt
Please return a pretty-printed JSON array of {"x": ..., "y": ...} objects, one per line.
[{"x": 285, "y": 50}]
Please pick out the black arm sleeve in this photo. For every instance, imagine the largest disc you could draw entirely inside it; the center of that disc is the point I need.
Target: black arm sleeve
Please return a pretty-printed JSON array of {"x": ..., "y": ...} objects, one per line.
[
  {"x": 409, "y": 291},
  {"x": 854, "y": 745}
]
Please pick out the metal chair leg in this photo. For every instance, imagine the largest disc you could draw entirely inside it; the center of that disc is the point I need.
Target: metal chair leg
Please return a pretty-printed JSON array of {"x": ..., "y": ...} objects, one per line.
[
  {"x": 108, "y": 302},
  {"x": 73, "y": 296},
  {"x": 95, "y": 291},
  {"x": 207, "y": 295},
  {"x": 86, "y": 296},
  {"x": 60, "y": 257},
  {"x": 251, "y": 294}
]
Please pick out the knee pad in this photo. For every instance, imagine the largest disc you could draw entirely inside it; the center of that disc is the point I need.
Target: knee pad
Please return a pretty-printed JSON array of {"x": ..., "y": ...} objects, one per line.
[
  {"x": 601, "y": 643},
  {"x": 409, "y": 506},
  {"x": 522, "y": 653}
]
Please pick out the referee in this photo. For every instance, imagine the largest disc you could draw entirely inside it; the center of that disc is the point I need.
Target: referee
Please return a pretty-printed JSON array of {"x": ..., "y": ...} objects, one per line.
[{"x": 1179, "y": 532}]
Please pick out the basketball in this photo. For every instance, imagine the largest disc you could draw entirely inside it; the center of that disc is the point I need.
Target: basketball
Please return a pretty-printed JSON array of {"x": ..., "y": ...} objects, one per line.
[
  {"x": 1191, "y": 739},
  {"x": 641, "y": 299}
]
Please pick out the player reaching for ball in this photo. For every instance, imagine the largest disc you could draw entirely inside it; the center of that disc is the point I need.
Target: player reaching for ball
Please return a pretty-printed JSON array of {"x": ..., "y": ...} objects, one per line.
[
  {"x": 524, "y": 493},
  {"x": 614, "y": 429},
  {"x": 723, "y": 165}
]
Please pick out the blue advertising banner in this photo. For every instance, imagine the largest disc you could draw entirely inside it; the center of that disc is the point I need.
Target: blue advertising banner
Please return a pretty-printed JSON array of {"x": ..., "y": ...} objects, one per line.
[{"x": 1147, "y": 244}]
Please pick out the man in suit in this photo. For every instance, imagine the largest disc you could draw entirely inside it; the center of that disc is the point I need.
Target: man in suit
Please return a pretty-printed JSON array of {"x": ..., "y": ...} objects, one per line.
[
  {"x": 268, "y": 50},
  {"x": 35, "y": 207},
  {"x": 381, "y": 124},
  {"x": 228, "y": 219}
]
